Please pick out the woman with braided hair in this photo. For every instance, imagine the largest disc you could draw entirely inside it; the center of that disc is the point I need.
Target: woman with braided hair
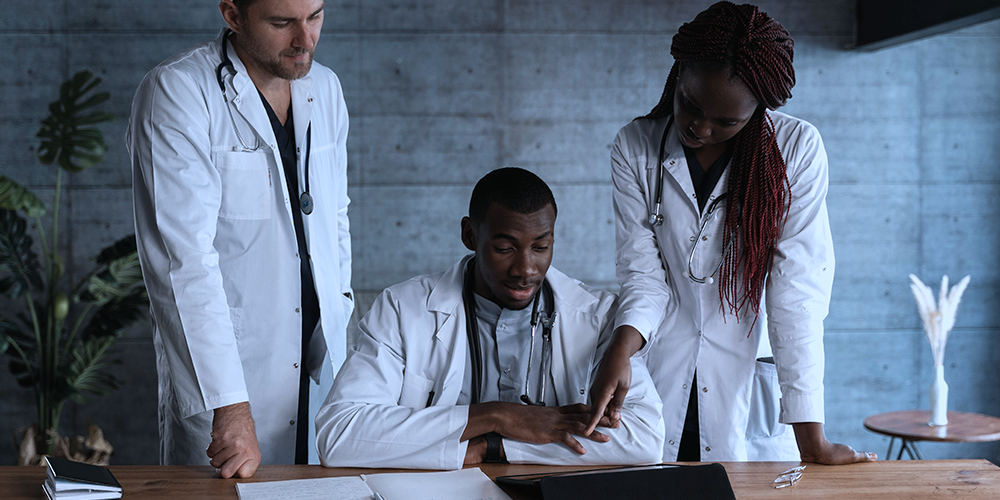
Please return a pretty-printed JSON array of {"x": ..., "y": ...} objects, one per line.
[{"x": 722, "y": 233}]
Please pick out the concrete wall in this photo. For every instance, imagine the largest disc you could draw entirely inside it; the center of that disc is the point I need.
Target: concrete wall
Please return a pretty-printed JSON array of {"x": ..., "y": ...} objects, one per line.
[{"x": 442, "y": 91}]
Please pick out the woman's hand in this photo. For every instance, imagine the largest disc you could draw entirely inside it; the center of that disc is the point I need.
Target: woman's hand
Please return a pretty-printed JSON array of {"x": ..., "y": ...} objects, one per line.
[
  {"x": 814, "y": 447},
  {"x": 614, "y": 376}
]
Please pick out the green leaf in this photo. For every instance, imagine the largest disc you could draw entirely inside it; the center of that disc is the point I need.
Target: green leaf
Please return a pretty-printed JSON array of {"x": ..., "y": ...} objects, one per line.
[
  {"x": 68, "y": 137},
  {"x": 5, "y": 340},
  {"x": 14, "y": 196},
  {"x": 85, "y": 373},
  {"x": 120, "y": 248},
  {"x": 20, "y": 270},
  {"x": 114, "y": 317},
  {"x": 115, "y": 281}
]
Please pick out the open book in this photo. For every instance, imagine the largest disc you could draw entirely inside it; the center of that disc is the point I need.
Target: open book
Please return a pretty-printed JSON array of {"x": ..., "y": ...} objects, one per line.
[{"x": 465, "y": 484}]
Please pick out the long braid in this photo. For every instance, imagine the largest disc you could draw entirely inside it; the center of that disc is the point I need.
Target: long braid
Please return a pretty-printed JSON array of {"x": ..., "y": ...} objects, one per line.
[{"x": 759, "y": 52}]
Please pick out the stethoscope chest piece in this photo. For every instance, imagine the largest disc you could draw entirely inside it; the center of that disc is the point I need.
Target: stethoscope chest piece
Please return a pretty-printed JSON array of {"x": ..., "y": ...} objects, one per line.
[{"x": 306, "y": 202}]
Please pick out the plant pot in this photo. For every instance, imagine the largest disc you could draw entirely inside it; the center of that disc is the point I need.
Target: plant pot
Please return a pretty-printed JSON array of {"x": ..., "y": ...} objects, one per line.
[{"x": 93, "y": 449}]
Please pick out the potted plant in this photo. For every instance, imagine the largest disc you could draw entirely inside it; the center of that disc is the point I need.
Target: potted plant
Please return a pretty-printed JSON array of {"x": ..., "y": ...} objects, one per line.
[{"x": 58, "y": 335}]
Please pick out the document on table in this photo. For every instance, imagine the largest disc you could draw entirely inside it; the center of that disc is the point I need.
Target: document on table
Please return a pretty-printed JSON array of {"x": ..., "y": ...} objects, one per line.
[
  {"x": 321, "y": 488},
  {"x": 465, "y": 484}
]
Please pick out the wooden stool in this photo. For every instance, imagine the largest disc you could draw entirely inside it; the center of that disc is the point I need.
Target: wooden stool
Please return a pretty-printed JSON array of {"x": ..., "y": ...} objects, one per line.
[{"x": 911, "y": 426}]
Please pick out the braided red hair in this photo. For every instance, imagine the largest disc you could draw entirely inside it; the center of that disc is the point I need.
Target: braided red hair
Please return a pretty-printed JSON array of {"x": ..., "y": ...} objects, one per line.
[{"x": 758, "y": 51}]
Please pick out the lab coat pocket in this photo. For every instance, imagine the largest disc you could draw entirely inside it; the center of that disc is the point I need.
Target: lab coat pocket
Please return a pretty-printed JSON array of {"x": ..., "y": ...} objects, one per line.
[
  {"x": 415, "y": 391},
  {"x": 246, "y": 185},
  {"x": 765, "y": 401}
]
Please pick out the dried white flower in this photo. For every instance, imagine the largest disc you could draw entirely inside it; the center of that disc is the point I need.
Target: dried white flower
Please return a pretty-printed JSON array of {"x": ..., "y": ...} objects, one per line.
[{"x": 938, "y": 318}]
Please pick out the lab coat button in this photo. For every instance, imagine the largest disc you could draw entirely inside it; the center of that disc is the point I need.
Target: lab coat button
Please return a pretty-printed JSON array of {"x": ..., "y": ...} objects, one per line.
[
  {"x": 671, "y": 442},
  {"x": 506, "y": 370},
  {"x": 583, "y": 391},
  {"x": 310, "y": 99},
  {"x": 503, "y": 327},
  {"x": 704, "y": 238},
  {"x": 685, "y": 386},
  {"x": 704, "y": 389},
  {"x": 693, "y": 238},
  {"x": 291, "y": 422},
  {"x": 295, "y": 365},
  {"x": 297, "y": 309},
  {"x": 708, "y": 448},
  {"x": 672, "y": 162}
]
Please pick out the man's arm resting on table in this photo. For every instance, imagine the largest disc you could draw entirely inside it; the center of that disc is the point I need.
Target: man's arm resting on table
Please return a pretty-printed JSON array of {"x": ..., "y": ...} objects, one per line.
[
  {"x": 814, "y": 447},
  {"x": 533, "y": 424},
  {"x": 234, "y": 449}
]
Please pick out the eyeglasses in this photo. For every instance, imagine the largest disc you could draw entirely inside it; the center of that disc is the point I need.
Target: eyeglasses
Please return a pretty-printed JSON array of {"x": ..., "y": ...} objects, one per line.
[{"x": 789, "y": 477}]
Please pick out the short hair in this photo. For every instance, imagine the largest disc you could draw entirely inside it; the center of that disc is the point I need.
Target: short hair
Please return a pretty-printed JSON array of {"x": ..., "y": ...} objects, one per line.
[
  {"x": 515, "y": 189},
  {"x": 243, "y": 6}
]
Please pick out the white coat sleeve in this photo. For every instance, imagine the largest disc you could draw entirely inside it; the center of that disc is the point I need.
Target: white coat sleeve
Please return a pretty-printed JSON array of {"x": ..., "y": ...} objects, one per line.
[
  {"x": 343, "y": 222},
  {"x": 801, "y": 277},
  {"x": 363, "y": 424},
  {"x": 638, "y": 440},
  {"x": 644, "y": 293},
  {"x": 177, "y": 197}
]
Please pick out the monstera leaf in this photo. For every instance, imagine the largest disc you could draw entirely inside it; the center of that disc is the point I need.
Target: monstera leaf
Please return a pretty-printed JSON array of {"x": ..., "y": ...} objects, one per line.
[
  {"x": 14, "y": 196},
  {"x": 67, "y": 134},
  {"x": 117, "y": 275},
  {"x": 20, "y": 270}
]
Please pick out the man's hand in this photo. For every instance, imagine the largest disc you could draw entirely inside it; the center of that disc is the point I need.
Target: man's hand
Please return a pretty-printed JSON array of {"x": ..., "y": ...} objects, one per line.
[
  {"x": 234, "y": 449},
  {"x": 532, "y": 424},
  {"x": 814, "y": 447},
  {"x": 614, "y": 376}
]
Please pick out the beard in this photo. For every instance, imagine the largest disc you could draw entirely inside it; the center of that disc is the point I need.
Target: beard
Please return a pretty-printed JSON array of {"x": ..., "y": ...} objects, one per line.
[{"x": 258, "y": 53}]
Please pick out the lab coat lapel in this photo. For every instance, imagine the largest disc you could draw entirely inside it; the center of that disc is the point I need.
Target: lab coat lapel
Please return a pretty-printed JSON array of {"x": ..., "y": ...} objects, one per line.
[
  {"x": 247, "y": 103},
  {"x": 676, "y": 165},
  {"x": 571, "y": 387},
  {"x": 445, "y": 300}
]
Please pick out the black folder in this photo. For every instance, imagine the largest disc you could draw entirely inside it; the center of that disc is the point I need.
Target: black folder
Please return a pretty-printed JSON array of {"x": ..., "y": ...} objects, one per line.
[{"x": 655, "y": 482}]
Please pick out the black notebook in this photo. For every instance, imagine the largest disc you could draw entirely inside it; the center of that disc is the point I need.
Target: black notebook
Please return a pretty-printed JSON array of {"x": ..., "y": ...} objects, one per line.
[
  {"x": 68, "y": 479},
  {"x": 654, "y": 482}
]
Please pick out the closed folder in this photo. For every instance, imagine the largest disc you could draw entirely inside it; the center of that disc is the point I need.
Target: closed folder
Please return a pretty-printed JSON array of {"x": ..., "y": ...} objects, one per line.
[{"x": 656, "y": 482}]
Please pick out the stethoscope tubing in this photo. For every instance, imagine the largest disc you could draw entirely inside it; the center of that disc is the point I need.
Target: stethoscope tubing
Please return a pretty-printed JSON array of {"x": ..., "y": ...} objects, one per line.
[
  {"x": 306, "y": 202},
  {"x": 656, "y": 218},
  {"x": 475, "y": 347}
]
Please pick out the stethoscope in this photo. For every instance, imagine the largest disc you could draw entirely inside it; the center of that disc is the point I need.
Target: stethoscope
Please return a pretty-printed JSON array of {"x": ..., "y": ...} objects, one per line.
[
  {"x": 305, "y": 199},
  {"x": 656, "y": 218},
  {"x": 472, "y": 330}
]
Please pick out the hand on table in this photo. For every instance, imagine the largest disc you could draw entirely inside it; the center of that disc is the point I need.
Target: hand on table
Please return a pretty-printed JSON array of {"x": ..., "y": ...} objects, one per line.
[
  {"x": 532, "y": 424},
  {"x": 814, "y": 447},
  {"x": 234, "y": 450}
]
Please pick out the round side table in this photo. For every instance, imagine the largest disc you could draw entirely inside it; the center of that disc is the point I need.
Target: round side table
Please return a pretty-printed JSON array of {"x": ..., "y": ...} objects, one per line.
[{"x": 911, "y": 426}]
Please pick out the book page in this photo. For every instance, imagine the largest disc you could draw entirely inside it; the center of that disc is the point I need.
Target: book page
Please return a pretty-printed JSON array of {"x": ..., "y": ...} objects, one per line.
[
  {"x": 465, "y": 484},
  {"x": 323, "y": 488}
]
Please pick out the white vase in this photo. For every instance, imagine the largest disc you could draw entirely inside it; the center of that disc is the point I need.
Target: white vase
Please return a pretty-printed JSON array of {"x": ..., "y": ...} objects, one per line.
[{"x": 939, "y": 399}]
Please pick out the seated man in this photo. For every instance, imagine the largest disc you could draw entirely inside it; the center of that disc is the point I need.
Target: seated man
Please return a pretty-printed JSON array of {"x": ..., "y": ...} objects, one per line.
[{"x": 491, "y": 360}]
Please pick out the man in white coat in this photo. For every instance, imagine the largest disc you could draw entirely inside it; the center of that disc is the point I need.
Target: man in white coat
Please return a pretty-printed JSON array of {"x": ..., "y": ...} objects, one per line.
[
  {"x": 239, "y": 164},
  {"x": 449, "y": 371}
]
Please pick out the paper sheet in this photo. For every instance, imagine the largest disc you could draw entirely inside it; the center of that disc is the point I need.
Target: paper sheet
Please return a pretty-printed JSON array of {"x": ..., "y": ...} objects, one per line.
[
  {"x": 465, "y": 484},
  {"x": 323, "y": 488}
]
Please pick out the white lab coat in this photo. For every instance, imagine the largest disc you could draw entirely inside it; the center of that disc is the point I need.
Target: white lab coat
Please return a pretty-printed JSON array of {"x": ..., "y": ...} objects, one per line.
[
  {"x": 395, "y": 402},
  {"x": 683, "y": 322},
  {"x": 218, "y": 249}
]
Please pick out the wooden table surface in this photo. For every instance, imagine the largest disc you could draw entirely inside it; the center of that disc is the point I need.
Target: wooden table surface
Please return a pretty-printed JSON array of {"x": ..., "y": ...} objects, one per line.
[
  {"x": 912, "y": 425},
  {"x": 883, "y": 480}
]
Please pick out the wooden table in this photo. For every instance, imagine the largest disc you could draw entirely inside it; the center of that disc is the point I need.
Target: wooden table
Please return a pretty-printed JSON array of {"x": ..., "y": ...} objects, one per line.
[
  {"x": 885, "y": 480},
  {"x": 911, "y": 426}
]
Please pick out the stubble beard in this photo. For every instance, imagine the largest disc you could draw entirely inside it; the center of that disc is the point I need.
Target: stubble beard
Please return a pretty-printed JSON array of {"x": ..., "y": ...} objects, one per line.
[{"x": 273, "y": 64}]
